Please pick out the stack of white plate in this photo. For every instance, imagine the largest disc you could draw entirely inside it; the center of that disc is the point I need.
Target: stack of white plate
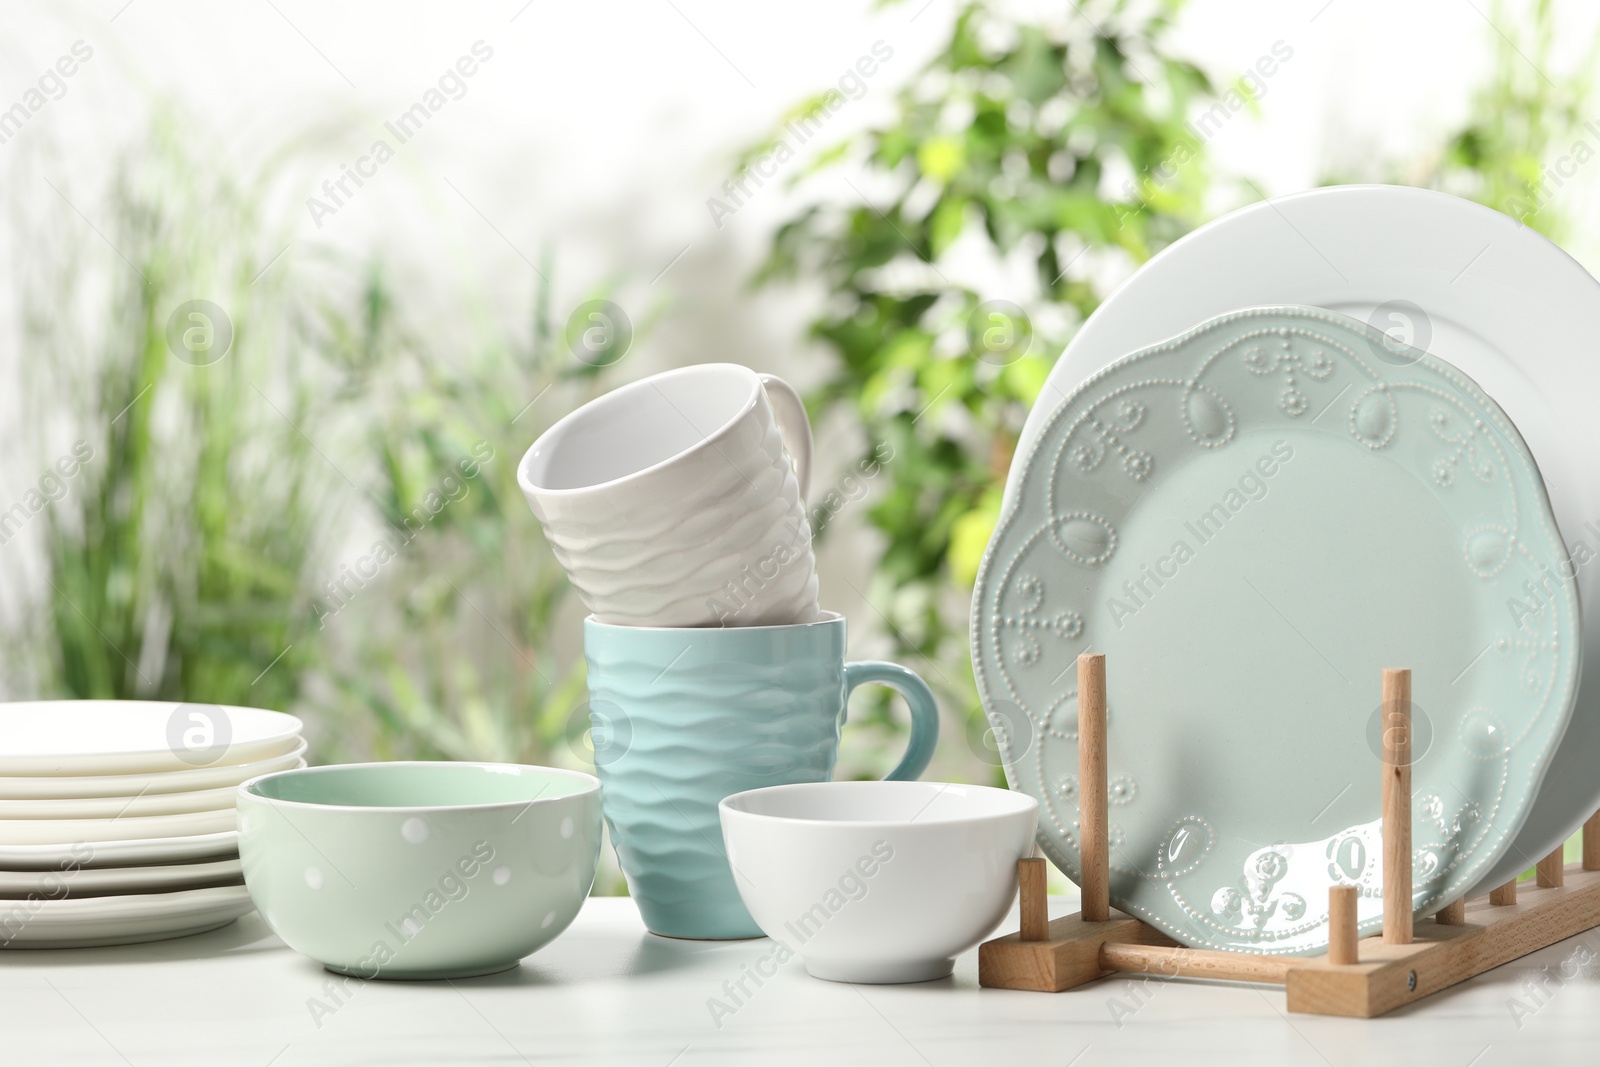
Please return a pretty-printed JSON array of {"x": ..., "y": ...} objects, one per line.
[{"x": 117, "y": 819}]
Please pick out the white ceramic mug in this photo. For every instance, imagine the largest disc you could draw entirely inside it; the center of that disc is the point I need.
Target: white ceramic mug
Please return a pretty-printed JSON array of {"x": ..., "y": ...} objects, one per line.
[{"x": 672, "y": 501}]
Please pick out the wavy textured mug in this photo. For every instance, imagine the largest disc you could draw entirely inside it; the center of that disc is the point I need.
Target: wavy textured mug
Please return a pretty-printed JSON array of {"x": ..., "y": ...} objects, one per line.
[
  {"x": 671, "y": 501},
  {"x": 683, "y": 717}
]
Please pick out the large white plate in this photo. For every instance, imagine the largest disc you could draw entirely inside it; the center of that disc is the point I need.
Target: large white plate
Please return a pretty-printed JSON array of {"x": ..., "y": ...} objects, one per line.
[
  {"x": 71, "y": 787},
  {"x": 104, "y": 881},
  {"x": 1495, "y": 299},
  {"x": 119, "y": 920},
  {"x": 120, "y": 807},
  {"x": 77, "y": 737},
  {"x": 130, "y": 853}
]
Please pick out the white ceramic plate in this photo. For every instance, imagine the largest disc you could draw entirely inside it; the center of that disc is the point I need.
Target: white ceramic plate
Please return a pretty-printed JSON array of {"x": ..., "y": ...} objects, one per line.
[
  {"x": 119, "y": 920},
  {"x": 104, "y": 881},
  {"x": 198, "y": 800},
  {"x": 132, "y": 853},
  {"x": 1491, "y": 297},
  {"x": 148, "y": 828},
  {"x": 78, "y": 737},
  {"x": 127, "y": 785}
]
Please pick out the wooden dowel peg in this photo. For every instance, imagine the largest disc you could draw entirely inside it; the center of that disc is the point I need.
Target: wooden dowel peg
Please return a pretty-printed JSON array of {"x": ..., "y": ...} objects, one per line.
[
  {"x": 1500, "y": 896},
  {"x": 1551, "y": 872},
  {"x": 1452, "y": 914},
  {"x": 1397, "y": 806},
  {"x": 1033, "y": 900},
  {"x": 1591, "y": 843},
  {"x": 1342, "y": 924},
  {"x": 1095, "y": 853}
]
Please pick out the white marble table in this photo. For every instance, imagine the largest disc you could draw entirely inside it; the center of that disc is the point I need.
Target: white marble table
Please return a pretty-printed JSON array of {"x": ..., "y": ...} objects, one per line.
[{"x": 606, "y": 992}]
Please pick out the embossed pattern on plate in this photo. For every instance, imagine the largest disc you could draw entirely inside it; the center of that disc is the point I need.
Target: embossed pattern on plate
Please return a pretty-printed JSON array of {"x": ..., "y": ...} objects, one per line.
[{"x": 1251, "y": 520}]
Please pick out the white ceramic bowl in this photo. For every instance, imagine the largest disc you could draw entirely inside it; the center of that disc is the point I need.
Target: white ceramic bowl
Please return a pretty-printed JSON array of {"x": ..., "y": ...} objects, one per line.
[{"x": 878, "y": 882}]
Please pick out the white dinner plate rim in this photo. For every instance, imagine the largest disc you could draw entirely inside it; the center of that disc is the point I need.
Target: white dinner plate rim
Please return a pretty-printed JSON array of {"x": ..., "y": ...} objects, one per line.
[
  {"x": 67, "y": 832},
  {"x": 218, "y": 798},
  {"x": 74, "y": 910},
  {"x": 148, "y": 783},
  {"x": 107, "y": 881},
  {"x": 136, "y": 852},
  {"x": 270, "y": 733},
  {"x": 122, "y": 920}
]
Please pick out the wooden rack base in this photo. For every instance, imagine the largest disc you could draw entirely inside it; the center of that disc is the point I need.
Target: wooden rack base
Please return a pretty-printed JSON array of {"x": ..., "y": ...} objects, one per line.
[{"x": 1404, "y": 964}]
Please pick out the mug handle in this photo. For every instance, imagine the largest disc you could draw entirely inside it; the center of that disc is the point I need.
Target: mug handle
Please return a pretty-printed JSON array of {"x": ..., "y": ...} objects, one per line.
[
  {"x": 793, "y": 425},
  {"x": 924, "y": 711}
]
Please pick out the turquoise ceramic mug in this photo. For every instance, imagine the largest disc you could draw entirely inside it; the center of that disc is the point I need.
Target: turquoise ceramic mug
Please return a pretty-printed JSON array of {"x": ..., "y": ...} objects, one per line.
[{"x": 681, "y": 717}]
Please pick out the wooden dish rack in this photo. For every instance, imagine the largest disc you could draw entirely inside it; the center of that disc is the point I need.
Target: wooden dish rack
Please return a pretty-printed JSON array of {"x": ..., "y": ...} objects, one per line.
[{"x": 1356, "y": 978}]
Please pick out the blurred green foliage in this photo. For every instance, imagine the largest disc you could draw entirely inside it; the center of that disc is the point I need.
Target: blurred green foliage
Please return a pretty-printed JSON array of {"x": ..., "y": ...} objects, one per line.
[
  {"x": 446, "y": 651},
  {"x": 1513, "y": 153},
  {"x": 1054, "y": 153},
  {"x": 174, "y": 561},
  {"x": 1499, "y": 157},
  {"x": 1525, "y": 133},
  {"x": 323, "y": 517}
]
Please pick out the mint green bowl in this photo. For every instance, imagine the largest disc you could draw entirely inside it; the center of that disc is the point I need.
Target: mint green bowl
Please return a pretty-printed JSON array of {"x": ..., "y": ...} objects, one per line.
[{"x": 419, "y": 870}]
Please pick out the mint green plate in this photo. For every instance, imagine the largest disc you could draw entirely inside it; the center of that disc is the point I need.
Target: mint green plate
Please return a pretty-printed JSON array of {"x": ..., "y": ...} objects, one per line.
[{"x": 1251, "y": 521}]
